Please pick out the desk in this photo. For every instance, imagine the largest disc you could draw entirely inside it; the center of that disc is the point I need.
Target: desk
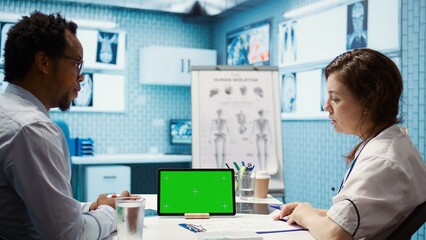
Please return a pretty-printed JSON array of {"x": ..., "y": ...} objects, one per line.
[
  {"x": 167, "y": 228},
  {"x": 128, "y": 159},
  {"x": 143, "y": 169}
]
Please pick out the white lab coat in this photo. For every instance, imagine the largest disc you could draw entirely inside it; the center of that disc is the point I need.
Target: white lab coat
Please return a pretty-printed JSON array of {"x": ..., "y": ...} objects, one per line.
[{"x": 386, "y": 183}]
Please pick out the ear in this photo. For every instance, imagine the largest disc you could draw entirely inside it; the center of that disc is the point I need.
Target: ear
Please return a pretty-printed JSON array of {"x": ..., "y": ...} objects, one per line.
[{"x": 42, "y": 62}]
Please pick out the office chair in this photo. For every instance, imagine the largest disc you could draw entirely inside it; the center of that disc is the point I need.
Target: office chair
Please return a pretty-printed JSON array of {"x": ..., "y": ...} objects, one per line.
[
  {"x": 64, "y": 127},
  {"x": 410, "y": 225}
]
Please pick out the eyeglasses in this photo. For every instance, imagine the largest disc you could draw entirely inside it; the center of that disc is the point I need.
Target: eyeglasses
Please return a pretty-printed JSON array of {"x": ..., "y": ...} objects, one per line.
[{"x": 79, "y": 65}]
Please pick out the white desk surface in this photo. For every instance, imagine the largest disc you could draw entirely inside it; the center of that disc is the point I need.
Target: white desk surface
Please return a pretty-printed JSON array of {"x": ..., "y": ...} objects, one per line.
[
  {"x": 167, "y": 228},
  {"x": 129, "y": 158}
]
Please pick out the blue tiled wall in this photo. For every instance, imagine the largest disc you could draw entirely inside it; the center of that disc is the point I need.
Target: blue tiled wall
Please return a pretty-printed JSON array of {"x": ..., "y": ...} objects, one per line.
[
  {"x": 313, "y": 152},
  {"x": 144, "y": 124}
]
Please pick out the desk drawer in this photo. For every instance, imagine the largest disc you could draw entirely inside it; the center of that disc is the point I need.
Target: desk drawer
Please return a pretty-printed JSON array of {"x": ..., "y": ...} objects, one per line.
[{"x": 106, "y": 179}]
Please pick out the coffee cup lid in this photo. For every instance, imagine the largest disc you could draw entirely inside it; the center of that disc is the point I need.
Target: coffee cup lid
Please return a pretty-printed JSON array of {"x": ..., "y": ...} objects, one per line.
[{"x": 262, "y": 175}]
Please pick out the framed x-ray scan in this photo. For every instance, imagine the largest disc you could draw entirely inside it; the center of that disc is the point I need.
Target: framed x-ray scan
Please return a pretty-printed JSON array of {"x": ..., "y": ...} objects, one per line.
[
  {"x": 236, "y": 117},
  {"x": 103, "y": 49},
  {"x": 287, "y": 43},
  {"x": 100, "y": 93},
  {"x": 303, "y": 95}
]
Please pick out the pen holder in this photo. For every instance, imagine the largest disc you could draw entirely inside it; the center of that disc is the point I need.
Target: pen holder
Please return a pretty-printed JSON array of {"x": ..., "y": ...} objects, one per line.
[{"x": 246, "y": 185}]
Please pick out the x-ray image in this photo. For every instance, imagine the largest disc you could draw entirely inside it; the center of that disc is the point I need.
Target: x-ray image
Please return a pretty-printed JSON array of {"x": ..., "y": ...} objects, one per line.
[
  {"x": 289, "y": 93},
  {"x": 85, "y": 96},
  {"x": 324, "y": 92},
  {"x": 107, "y": 47},
  {"x": 237, "y": 50},
  {"x": 287, "y": 45},
  {"x": 357, "y": 25}
]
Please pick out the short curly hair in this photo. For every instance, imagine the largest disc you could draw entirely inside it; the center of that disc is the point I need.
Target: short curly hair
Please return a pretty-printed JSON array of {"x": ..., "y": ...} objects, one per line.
[{"x": 38, "y": 32}]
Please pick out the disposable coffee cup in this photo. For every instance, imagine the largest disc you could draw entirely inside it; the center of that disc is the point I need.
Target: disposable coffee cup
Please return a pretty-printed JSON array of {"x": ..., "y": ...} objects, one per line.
[{"x": 261, "y": 184}]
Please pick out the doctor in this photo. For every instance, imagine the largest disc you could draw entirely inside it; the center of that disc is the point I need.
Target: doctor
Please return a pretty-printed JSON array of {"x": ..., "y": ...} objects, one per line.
[{"x": 386, "y": 175}]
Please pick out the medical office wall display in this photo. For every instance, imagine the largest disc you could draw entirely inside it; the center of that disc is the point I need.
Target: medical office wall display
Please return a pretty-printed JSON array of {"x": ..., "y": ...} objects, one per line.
[
  {"x": 103, "y": 68},
  {"x": 100, "y": 93},
  {"x": 310, "y": 39},
  {"x": 103, "y": 71},
  {"x": 249, "y": 45},
  {"x": 103, "y": 49},
  {"x": 236, "y": 117}
]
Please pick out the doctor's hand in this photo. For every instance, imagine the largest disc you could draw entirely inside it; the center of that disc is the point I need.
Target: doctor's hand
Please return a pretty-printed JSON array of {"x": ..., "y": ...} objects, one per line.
[
  {"x": 103, "y": 199},
  {"x": 301, "y": 213},
  {"x": 286, "y": 210}
]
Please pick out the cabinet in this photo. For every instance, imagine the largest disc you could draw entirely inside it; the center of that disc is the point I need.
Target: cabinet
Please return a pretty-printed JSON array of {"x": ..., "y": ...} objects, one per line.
[
  {"x": 92, "y": 174},
  {"x": 106, "y": 179},
  {"x": 172, "y": 66}
]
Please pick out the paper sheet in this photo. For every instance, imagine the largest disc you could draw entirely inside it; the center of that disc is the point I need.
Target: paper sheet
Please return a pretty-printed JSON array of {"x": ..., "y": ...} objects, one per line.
[{"x": 258, "y": 224}]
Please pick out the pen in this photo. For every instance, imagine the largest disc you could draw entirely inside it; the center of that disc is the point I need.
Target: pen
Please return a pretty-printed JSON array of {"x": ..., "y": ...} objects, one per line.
[
  {"x": 236, "y": 166},
  {"x": 252, "y": 167},
  {"x": 242, "y": 163},
  {"x": 242, "y": 170},
  {"x": 275, "y": 206},
  {"x": 227, "y": 166}
]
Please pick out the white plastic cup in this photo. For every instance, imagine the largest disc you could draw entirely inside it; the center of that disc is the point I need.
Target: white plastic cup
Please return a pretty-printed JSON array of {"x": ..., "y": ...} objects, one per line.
[{"x": 130, "y": 216}]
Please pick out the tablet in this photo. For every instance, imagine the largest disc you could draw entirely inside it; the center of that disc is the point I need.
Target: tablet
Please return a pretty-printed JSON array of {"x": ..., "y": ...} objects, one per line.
[{"x": 182, "y": 191}]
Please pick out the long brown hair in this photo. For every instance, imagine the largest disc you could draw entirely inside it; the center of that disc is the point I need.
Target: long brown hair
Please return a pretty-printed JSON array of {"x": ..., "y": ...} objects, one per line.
[{"x": 375, "y": 81}]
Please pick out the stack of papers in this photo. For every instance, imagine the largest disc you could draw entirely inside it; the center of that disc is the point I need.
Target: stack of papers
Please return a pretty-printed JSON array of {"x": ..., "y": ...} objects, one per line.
[
  {"x": 245, "y": 228},
  {"x": 228, "y": 235}
]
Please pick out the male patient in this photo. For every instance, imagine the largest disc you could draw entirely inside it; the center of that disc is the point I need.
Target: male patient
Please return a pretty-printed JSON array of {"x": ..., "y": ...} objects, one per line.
[{"x": 43, "y": 61}]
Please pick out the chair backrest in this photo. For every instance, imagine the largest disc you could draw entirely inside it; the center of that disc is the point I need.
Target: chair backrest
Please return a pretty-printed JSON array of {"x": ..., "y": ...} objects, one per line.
[
  {"x": 64, "y": 126},
  {"x": 411, "y": 224}
]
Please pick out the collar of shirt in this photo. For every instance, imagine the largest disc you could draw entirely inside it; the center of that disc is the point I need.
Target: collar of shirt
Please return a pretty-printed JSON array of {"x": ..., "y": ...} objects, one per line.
[{"x": 25, "y": 94}]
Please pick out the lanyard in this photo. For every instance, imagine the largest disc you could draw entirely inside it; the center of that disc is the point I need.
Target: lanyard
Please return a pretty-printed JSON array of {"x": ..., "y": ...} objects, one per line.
[
  {"x": 350, "y": 168},
  {"x": 356, "y": 158}
]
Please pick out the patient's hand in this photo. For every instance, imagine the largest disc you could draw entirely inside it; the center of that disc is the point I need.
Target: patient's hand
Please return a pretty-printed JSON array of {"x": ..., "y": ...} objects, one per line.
[{"x": 103, "y": 199}]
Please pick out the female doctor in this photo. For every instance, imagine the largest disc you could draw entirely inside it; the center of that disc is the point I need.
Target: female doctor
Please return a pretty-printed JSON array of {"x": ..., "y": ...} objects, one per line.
[{"x": 386, "y": 175}]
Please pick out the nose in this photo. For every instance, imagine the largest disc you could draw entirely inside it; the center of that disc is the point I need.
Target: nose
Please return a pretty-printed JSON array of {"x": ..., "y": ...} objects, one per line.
[
  {"x": 80, "y": 78},
  {"x": 327, "y": 106}
]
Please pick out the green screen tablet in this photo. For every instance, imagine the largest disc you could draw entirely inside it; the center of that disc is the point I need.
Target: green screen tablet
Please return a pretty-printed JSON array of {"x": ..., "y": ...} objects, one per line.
[{"x": 183, "y": 191}]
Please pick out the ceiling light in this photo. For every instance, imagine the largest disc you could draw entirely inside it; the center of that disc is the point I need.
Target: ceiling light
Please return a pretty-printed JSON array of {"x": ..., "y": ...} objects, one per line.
[
  {"x": 94, "y": 24},
  {"x": 316, "y": 7}
]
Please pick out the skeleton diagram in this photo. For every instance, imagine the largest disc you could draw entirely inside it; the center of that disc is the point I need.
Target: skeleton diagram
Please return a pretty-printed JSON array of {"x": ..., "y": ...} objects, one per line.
[
  {"x": 241, "y": 119},
  {"x": 220, "y": 133},
  {"x": 263, "y": 137}
]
